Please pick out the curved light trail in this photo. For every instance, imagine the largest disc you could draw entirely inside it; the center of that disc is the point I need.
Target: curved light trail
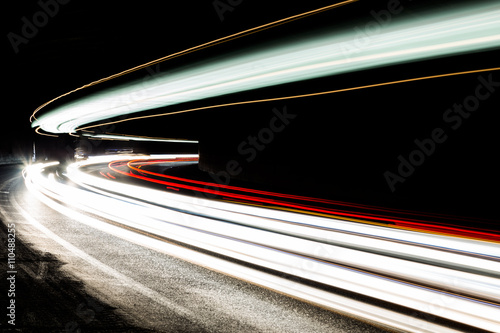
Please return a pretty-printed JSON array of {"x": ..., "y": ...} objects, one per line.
[
  {"x": 421, "y": 78},
  {"x": 138, "y": 169},
  {"x": 438, "y": 273},
  {"x": 123, "y": 137},
  {"x": 468, "y": 29},
  {"x": 198, "y": 48},
  {"x": 431, "y": 271}
]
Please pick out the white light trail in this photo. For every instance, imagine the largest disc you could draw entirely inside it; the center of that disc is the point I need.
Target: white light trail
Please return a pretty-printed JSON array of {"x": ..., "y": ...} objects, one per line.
[
  {"x": 457, "y": 31},
  {"x": 122, "y": 137},
  {"x": 443, "y": 276}
]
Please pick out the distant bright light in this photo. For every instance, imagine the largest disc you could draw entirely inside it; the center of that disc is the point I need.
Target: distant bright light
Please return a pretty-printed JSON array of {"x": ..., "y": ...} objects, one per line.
[{"x": 443, "y": 34}]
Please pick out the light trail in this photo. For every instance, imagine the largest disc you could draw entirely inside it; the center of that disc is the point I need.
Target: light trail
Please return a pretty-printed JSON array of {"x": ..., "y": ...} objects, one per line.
[
  {"x": 468, "y": 29},
  {"x": 299, "y": 203},
  {"x": 442, "y": 276},
  {"x": 201, "y": 47},
  {"x": 37, "y": 130},
  {"x": 382, "y": 84},
  {"x": 123, "y": 137}
]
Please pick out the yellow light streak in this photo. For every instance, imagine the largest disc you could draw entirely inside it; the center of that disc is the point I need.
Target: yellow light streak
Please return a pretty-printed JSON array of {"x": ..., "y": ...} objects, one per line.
[
  {"x": 200, "y": 47},
  {"x": 37, "y": 130}
]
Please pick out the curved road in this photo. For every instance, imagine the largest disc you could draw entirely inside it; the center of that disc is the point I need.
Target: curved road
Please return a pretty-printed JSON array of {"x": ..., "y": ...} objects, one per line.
[
  {"x": 147, "y": 242},
  {"x": 73, "y": 277}
]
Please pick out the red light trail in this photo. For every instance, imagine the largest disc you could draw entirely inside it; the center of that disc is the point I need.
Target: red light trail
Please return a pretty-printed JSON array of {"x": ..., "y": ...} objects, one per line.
[{"x": 344, "y": 210}]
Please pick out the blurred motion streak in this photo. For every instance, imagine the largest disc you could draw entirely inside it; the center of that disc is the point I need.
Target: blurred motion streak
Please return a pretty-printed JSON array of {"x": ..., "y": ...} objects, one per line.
[
  {"x": 451, "y": 32},
  {"x": 291, "y": 97},
  {"x": 346, "y": 214},
  {"x": 201, "y": 47},
  {"x": 440, "y": 270}
]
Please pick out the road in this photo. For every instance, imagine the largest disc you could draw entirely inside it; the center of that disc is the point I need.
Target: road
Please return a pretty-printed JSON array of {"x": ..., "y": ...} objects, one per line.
[
  {"x": 171, "y": 253},
  {"x": 73, "y": 277}
]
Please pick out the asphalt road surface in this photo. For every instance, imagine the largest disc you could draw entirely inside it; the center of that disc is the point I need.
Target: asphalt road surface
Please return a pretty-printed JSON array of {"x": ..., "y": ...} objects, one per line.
[{"x": 70, "y": 277}]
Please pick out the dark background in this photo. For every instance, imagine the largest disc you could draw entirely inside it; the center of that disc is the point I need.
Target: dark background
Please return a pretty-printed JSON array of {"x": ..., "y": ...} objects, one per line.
[
  {"x": 339, "y": 146},
  {"x": 89, "y": 40}
]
